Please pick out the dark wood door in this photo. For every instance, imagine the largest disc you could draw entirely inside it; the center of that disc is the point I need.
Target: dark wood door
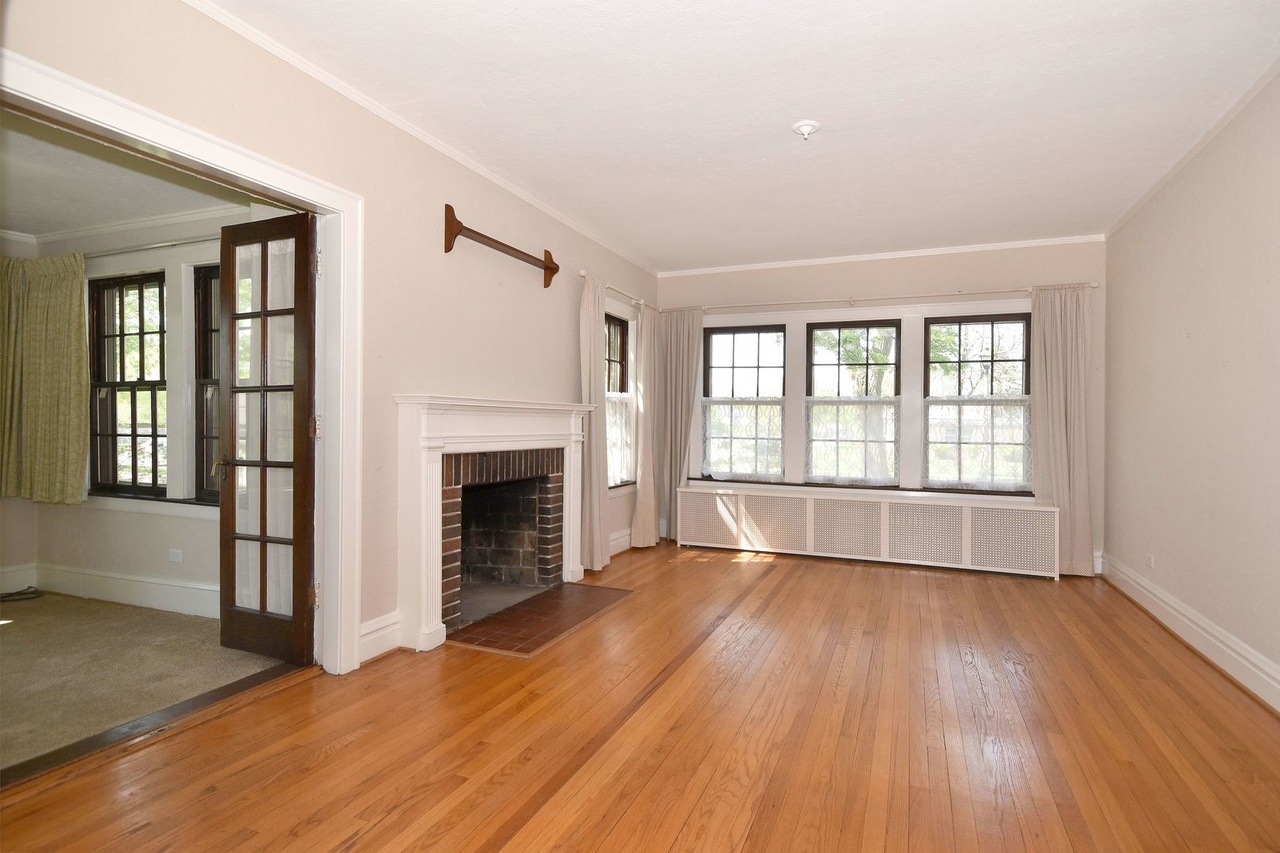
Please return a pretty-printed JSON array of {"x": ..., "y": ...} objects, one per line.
[{"x": 268, "y": 456}]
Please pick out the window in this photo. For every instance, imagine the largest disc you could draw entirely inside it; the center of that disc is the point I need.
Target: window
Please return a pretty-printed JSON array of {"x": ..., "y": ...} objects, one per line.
[
  {"x": 207, "y": 410},
  {"x": 742, "y": 410},
  {"x": 852, "y": 403},
  {"x": 977, "y": 410},
  {"x": 128, "y": 399},
  {"x": 619, "y": 402}
]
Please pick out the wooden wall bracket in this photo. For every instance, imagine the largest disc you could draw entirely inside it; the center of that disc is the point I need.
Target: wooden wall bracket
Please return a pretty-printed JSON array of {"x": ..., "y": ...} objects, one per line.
[{"x": 453, "y": 229}]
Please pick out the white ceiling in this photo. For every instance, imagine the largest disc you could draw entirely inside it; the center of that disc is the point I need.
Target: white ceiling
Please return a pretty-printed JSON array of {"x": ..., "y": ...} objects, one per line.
[
  {"x": 53, "y": 182},
  {"x": 663, "y": 126}
]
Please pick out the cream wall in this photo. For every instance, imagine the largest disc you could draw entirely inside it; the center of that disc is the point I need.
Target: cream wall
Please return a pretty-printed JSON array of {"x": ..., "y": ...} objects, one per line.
[
  {"x": 472, "y": 322},
  {"x": 17, "y": 533},
  {"x": 1193, "y": 447},
  {"x": 940, "y": 277}
]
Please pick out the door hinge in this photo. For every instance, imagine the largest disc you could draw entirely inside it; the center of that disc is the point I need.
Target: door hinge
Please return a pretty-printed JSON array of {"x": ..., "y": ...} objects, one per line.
[
  {"x": 315, "y": 427},
  {"x": 315, "y": 596}
]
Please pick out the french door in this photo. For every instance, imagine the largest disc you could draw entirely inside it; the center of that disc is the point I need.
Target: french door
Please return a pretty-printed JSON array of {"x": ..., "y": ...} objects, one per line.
[{"x": 266, "y": 387}]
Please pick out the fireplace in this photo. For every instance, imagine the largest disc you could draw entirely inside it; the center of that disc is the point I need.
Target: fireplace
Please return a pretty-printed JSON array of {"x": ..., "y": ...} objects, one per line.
[
  {"x": 502, "y": 519},
  {"x": 447, "y": 444}
]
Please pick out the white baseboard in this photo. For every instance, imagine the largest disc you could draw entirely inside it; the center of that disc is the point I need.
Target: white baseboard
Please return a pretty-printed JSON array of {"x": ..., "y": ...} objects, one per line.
[
  {"x": 380, "y": 635},
  {"x": 197, "y": 599},
  {"x": 14, "y": 578},
  {"x": 1238, "y": 659},
  {"x": 619, "y": 542},
  {"x": 1099, "y": 563}
]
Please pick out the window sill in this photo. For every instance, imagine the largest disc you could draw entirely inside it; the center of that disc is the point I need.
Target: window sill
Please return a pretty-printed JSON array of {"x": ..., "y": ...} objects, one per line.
[
  {"x": 154, "y": 506},
  {"x": 891, "y": 492},
  {"x": 623, "y": 489}
]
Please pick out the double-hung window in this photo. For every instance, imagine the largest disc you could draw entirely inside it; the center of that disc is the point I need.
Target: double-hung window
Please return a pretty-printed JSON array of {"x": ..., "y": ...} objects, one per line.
[
  {"x": 128, "y": 397},
  {"x": 977, "y": 403},
  {"x": 742, "y": 406},
  {"x": 852, "y": 403},
  {"x": 619, "y": 403}
]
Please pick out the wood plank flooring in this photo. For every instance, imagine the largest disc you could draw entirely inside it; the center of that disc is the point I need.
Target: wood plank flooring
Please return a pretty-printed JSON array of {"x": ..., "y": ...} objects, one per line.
[{"x": 733, "y": 702}]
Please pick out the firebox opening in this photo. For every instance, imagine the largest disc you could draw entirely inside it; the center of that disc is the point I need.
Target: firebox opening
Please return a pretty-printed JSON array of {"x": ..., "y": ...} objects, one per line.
[{"x": 499, "y": 547}]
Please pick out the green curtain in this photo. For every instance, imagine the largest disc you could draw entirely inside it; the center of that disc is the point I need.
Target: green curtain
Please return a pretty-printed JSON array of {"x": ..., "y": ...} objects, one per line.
[{"x": 44, "y": 379}]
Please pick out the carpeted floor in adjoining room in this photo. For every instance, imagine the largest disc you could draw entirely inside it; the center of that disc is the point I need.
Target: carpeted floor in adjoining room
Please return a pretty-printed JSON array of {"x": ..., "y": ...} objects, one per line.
[{"x": 75, "y": 667}]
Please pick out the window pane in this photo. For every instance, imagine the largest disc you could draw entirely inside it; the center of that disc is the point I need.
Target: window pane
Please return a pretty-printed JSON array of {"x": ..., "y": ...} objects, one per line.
[
  {"x": 151, "y": 318},
  {"x": 124, "y": 411},
  {"x": 770, "y": 382},
  {"x": 882, "y": 346},
  {"x": 722, "y": 350},
  {"x": 1008, "y": 340},
  {"x": 280, "y": 266},
  {"x": 746, "y": 349},
  {"x": 151, "y": 360},
  {"x": 144, "y": 419},
  {"x": 944, "y": 424},
  {"x": 943, "y": 463},
  {"x": 882, "y": 461},
  {"x": 771, "y": 349},
  {"x": 132, "y": 298},
  {"x": 248, "y": 574},
  {"x": 146, "y": 462},
  {"x": 824, "y": 346},
  {"x": 718, "y": 421},
  {"x": 975, "y": 341},
  {"x": 722, "y": 382},
  {"x": 132, "y": 359},
  {"x": 162, "y": 411},
  {"x": 124, "y": 460},
  {"x": 1007, "y": 379},
  {"x": 853, "y": 346},
  {"x": 975, "y": 379},
  {"x": 162, "y": 461},
  {"x": 718, "y": 455},
  {"x": 1008, "y": 464},
  {"x": 852, "y": 423},
  {"x": 247, "y": 352},
  {"x": 248, "y": 500},
  {"x": 248, "y": 421},
  {"x": 744, "y": 381},
  {"x": 944, "y": 342},
  {"x": 852, "y": 460},
  {"x": 613, "y": 382},
  {"x": 944, "y": 380},
  {"x": 826, "y": 380},
  {"x": 975, "y": 463},
  {"x": 881, "y": 381},
  {"x": 280, "y": 350},
  {"x": 975, "y": 423},
  {"x": 280, "y": 502},
  {"x": 248, "y": 278},
  {"x": 822, "y": 422},
  {"x": 743, "y": 455},
  {"x": 822, "y": 459},
  {"x": 280, "y": 579},
  {"x": 280, "y": 426},
  {"x": 111, "y": 365},
  {"x": 1009, "y": 424},
  {"x": 770, "y": 422},
  {"x": 853, "y": 381}
]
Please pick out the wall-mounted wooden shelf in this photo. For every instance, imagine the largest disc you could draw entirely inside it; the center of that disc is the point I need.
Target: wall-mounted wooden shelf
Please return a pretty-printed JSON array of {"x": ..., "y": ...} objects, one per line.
[{"x": 453, "y": 229}]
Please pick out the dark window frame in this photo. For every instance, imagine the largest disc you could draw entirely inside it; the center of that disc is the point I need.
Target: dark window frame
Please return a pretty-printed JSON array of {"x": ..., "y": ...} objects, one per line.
[
  {"x": 1024, "y": 318},
  {"x": 708, "y": 331},
  {"x": 207, "y": 296},
  {"x": 101, "y": 437},
  {"x": 896, "y": 325},
  {"x": 614, "y": 324}
]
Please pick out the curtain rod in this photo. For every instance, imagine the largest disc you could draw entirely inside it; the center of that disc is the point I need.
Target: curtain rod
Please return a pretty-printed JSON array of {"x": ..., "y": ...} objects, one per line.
[
  {"x": 851, "y": 300},
  {"x": 635, "y": 300},
  {"x": 150, "y": 247}
]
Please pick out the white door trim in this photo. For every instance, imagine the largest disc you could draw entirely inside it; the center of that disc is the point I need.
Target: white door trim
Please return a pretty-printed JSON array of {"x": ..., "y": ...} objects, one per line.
[{"x": 67, "y": 100}]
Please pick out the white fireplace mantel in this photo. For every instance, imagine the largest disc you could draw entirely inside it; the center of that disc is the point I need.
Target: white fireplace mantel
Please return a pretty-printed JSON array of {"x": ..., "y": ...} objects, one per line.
[{"x": 432, "y": 426}]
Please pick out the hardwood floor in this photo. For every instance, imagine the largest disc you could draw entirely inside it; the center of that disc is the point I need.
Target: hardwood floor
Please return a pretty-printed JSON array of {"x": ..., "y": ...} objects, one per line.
[{"x": 734, "y": 702}]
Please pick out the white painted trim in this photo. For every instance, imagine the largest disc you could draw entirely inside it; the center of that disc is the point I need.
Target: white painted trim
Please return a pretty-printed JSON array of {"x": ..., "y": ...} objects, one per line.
[
  {"x": 146, "y": 222},
  {"x": 888, "y": 256},
  {"x": 18, "y": 237},
  {"x": 78, "y": 104},
  {"x": 323, "y": 77},
  {"x": 14, "y": 578},
  {"x": 1099, "y": 563},
  {"x": 1240, "y": 660},
  {"x": 380, "y": 635},
  {"x": 197, "y": 599},
  {"x": 619, "y": 542}
]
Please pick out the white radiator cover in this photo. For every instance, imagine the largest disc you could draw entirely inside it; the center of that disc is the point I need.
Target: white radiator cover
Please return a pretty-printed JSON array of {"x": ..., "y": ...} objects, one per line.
[{"x": 958, "y": 533}]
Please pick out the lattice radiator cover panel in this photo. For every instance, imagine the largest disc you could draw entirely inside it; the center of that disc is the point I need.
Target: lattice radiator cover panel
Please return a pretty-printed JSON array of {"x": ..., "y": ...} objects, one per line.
[{"x": 1013, "y": 538}]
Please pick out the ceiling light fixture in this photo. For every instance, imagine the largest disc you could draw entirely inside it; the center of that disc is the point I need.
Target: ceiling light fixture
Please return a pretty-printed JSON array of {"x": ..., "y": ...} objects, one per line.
[{"x": 804, "y": 127}]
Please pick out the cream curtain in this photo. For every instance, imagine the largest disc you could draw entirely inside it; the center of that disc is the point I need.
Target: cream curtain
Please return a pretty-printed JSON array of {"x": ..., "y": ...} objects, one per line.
[
  {"x": 44, "y": 371},
  {"x": 680, "y": 348},
  {"x": 595, "y": 470},
  {"x": 644, "y": 520},
  {"x": 1059, "y": 390}
]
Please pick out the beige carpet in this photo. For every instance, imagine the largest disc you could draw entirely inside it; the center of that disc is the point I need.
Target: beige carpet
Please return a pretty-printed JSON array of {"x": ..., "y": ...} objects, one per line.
[{"x": 74, "y": 667}]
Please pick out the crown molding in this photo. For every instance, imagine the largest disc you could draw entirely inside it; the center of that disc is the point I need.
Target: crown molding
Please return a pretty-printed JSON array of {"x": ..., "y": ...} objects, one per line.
[
  {"x": 183, "y": 218},
  {"x": 886, "y": 256},
  {"x": 18, "y": 237},
  {"x": 323, "y": 77}
]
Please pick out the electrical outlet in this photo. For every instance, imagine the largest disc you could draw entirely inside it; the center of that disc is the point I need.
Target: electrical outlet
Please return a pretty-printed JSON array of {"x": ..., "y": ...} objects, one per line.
[
  {"x": 1151, "y": 562},
  {"x": 175, "y": 555}
]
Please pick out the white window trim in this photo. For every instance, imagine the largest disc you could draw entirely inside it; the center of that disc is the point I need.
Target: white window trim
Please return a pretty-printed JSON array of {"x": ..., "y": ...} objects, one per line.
[{"x": 911, "y": 374}]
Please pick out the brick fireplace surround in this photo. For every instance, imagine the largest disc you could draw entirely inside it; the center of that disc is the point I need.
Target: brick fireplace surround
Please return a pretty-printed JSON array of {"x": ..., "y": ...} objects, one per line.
[
  {"x": 445, "y": 443},
  {"x": 502, "y": 466}
]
